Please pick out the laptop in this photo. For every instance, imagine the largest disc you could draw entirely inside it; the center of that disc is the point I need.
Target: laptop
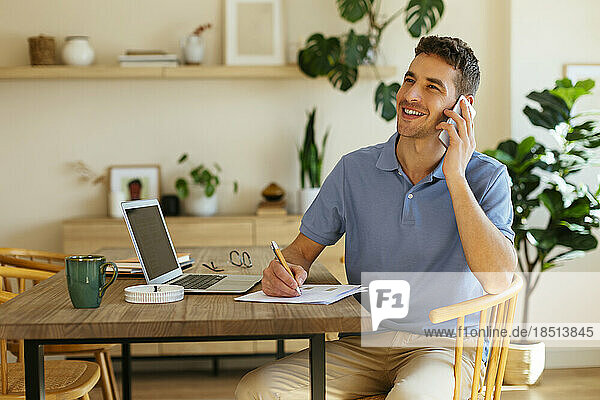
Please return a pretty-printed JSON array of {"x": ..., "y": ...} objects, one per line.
[{"x": 158, "y": 259}]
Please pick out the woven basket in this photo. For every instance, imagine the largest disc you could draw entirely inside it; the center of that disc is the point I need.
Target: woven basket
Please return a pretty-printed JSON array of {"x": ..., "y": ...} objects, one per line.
[
  {"x": 525, "y": 363},
  {"x": 41, "y": 50}
]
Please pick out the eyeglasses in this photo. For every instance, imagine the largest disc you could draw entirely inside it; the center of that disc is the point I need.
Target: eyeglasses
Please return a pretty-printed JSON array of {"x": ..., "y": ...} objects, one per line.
[
  {"x": 212, "y": 267},
  {"x": 242, "y": 260}
]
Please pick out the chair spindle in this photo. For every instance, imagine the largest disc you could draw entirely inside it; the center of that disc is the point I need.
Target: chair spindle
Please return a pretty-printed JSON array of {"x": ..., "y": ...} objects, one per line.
[
  {"x": 478, "y": 354},
  {"x": 4, "y": 366},
  {"x": 458, "y": 350},
  {"x": 504, "y": 352},
  {"x": 493, "y": 358}
]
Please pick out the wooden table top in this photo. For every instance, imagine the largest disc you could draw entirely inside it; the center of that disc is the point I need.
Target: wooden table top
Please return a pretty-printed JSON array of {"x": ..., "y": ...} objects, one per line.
[{"x": 45, "y": 311}]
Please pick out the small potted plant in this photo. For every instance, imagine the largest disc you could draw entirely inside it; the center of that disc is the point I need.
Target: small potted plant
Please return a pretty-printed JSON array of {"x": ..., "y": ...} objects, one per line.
[
  {"x": 311, "y": 162},
  {"x": 200, "y": 193},
  {"x": 193, "y": 46}
]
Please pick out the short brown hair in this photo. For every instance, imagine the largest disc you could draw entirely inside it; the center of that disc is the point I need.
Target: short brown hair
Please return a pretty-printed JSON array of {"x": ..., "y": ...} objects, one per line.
[{"x": 459, "y": 55}]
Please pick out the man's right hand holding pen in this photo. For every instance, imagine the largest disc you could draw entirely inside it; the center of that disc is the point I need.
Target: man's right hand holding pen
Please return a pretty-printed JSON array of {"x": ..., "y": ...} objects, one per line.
[{"x": 278, "y": 282}]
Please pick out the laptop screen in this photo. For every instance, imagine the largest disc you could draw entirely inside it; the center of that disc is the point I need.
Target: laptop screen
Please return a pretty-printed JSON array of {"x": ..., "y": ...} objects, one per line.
[{"x": 152, "y": 240}]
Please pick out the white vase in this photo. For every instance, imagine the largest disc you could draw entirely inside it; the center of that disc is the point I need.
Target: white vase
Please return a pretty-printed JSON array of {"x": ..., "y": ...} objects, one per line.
[
  {"x": 305, "y": 198},
  {"x": 77, "y": 51},
  {"x": 193, "y": 49},
  {"x": 197, "y": 203}
]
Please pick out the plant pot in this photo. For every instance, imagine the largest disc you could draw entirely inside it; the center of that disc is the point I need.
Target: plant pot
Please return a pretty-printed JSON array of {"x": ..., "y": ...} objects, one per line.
[
  {"x": 198, "y": 204},
  {"x": 525, "y": 363},
  {"x": 305, "y": 198}
]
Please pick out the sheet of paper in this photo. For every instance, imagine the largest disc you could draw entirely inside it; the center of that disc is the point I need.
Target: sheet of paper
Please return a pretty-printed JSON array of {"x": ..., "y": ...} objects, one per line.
[{"x": 311, "y": 294}]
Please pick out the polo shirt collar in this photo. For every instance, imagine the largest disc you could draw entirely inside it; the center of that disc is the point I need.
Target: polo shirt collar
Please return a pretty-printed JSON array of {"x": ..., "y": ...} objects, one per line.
[
  {"x": 387, "y": 160},
  {"x": 438, "y": 172}
]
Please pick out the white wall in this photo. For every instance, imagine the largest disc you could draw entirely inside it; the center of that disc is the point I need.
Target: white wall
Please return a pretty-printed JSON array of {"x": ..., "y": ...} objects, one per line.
[
  {"x": 250, "y": 127},
  {"x": 545, "y": 35}
]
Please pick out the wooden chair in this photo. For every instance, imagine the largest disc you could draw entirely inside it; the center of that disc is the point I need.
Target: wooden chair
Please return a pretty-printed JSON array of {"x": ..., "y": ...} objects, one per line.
[
  {"x": 501, "y": 308},
  {"x": 27, "y": 266},
  {"x": 64, "y": 379}
]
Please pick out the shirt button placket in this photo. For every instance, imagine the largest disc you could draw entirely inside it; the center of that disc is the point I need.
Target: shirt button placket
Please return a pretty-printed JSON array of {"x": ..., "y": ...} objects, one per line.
[{"x": 407, "y": 212}]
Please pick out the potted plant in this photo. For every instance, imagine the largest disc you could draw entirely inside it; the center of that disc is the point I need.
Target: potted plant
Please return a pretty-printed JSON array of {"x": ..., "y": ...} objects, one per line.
[
  {"x": 338, "y": 57},
  {"x": 200, "y": 194},
  {"x": 544, "y": 178},
  {"x": 311, "y": 162}
]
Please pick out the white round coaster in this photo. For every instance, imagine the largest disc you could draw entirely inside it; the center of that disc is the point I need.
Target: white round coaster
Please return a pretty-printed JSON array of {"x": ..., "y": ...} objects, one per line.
[{"x": 153, "y": 294}]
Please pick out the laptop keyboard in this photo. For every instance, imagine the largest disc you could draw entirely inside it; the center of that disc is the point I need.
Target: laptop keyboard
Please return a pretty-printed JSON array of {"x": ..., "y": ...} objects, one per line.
[{"x": 203, "y": 281}]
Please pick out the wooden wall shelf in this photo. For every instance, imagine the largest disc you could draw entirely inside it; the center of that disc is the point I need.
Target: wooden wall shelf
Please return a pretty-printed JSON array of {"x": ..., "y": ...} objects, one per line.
[{"x": 183, "y": 72}]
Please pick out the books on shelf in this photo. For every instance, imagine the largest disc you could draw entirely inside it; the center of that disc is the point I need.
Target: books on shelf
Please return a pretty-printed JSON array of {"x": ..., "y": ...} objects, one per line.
[
  {"x": 148, "y": 64},
  {"x": 132, "y": 52},
  {"x": 148, "y": 59}
]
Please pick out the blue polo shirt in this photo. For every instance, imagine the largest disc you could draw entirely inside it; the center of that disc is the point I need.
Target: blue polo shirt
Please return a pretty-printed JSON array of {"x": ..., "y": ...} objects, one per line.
[{"x": 392, "y": 225}]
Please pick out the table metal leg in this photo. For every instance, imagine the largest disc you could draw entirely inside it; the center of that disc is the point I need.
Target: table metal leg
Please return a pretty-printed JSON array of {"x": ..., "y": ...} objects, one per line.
[
  {"x": 317, "y": 366},
  {"x": 215, "y": 366},
  {"x": 280, "y": 348},
  {"x": 126, "y": 370},
  {"x": 34, "y": 371}
]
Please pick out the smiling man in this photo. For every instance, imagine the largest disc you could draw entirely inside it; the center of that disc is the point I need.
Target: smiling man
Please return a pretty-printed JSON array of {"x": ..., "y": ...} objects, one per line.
[{"x": 406, "y": 205}]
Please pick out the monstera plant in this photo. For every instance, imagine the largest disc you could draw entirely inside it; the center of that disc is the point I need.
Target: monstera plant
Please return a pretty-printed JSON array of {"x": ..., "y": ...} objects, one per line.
[
  {"x": 547, "y": 178},
  {"x": 338, "y": 57}
]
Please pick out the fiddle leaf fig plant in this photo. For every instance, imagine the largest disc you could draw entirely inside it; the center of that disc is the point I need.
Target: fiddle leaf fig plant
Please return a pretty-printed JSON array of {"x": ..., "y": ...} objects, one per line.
[
  {"x": 545, "y": 177},
  {"x": 338, "y": 57},
  {"x": 201, "y": 176}
]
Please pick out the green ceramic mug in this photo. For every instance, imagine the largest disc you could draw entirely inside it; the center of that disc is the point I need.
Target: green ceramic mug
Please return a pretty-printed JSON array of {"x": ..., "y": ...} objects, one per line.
[{"x": 86, "y": 276}]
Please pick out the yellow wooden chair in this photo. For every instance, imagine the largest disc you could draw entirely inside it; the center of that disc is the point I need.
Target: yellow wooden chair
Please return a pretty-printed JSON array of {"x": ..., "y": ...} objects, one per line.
[
  {"x": 28, "y": 267},
  {"x": 64, "y": 379},
  {"x": 501, "y": 310}
]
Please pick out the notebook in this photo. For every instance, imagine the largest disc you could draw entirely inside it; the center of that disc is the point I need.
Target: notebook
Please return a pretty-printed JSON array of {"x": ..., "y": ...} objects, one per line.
[{"x": 311, "y": 294}]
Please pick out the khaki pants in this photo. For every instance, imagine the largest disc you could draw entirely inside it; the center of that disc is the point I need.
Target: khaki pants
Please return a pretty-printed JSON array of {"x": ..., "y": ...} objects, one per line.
[{"x": 403, "y": 370}]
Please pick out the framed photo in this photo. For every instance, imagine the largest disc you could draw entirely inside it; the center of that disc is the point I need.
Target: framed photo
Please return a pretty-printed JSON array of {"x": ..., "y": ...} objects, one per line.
[
  {"x": 578, "y": 72},
  {"x": 254, "y": 32},
  {"x": 135, "y": 182}
]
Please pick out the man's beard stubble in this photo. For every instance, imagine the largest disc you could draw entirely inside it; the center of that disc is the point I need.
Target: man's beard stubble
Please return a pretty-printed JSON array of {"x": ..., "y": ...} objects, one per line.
[{"x": 422, "y": 131}]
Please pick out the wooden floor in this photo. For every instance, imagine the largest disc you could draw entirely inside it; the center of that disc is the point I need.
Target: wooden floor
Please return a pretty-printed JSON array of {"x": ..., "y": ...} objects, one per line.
[{"x": 570, "y": 384}]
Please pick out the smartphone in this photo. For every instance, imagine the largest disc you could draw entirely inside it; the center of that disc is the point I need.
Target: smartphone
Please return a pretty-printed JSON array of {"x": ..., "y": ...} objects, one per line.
[{"x": 443, "y": 136}]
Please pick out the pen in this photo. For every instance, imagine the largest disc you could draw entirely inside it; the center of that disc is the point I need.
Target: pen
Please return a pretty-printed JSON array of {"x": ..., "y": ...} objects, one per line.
[{"x": 279, "y": 256}]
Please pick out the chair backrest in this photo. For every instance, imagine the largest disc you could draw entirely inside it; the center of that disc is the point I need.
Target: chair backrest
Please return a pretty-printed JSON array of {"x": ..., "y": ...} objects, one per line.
[
  {"x": 28, "y": 259},
  {"x": 4, "y": 297},
  {"x": 34, "y": 255},
  {"x": 22, "y": 271},
  {"x": 499, "y": 310}
]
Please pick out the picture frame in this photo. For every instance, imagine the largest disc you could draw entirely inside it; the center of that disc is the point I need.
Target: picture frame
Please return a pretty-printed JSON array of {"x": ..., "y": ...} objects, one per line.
[
  {"x": 135, "y": 182},
  {"x": 578, "y": 72},
  {"x": 254, "y": 32}
]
